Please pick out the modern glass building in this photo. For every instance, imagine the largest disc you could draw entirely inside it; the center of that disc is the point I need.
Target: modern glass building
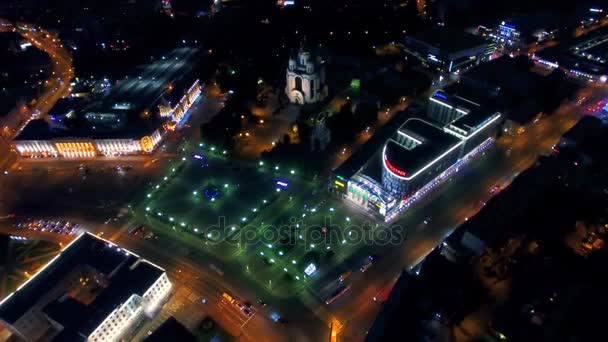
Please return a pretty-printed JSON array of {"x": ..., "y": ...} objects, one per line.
[{"x": 424, "y": 148}]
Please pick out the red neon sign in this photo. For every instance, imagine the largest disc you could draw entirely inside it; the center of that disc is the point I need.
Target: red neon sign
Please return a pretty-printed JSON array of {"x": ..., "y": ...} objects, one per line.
[{"x": 394, "y": 169}]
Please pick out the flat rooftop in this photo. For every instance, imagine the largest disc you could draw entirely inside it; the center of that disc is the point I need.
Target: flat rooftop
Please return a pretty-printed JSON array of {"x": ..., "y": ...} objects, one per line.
[
  {"x": 475, "y": 116},
  {"x": 125, "y": 273},
  {"x": 588, "y": 53},
  {"x": 448, "y": 40},
  {"x": 119, "y": 113},
  {"x": 143, "y": 88},
  {"x": 417, "y": 143}
]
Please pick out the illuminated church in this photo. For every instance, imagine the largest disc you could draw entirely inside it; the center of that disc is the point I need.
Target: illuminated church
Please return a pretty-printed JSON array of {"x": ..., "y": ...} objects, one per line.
[{"x": 305, "y": 78}]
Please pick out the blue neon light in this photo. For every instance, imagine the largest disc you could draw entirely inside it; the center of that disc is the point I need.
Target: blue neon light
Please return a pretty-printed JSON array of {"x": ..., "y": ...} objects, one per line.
[{"x": 440, "y": 96}]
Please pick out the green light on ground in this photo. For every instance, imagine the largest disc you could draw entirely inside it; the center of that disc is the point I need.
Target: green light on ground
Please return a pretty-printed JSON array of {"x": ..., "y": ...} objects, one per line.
[
  {"x": 355, "y": 83},
  {"x": 293, "y": 172}
]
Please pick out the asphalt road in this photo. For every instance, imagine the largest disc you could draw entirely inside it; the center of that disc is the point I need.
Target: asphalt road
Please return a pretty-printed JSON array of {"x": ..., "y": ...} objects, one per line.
[
  {"x": 56, "y": 87},
  {"x": 447, "y": 206}
]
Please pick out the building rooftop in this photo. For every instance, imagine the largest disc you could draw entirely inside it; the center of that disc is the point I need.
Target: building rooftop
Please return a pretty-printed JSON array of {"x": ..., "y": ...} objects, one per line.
[
  {"x": 358, "y": 160},
  {"x": 125, "y": 111},
  {"x": 474, "y": 114},
  {"x": 171, "y": 330},
  {"x": 81, "y": 308},
  {"x": 417, "y": 144},
  {"x": 587, "y": 54},
  {"x": 448, "y": 40}
]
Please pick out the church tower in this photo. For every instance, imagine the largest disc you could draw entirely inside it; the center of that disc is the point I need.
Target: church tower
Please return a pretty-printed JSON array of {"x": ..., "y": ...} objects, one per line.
[{"x": 305, "y": 78}]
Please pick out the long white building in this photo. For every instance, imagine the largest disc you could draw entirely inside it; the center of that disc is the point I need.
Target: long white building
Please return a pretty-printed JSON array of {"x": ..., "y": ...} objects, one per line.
[
  {"x": 93, "y": 290},
  {"x": 132, "y": 118}
]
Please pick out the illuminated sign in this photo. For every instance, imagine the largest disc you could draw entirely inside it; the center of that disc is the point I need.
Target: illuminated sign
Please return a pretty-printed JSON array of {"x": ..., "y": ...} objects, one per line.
[
  {"x": 281, "y": 183},
  {"x": 310, "y": 269},
  {"x": 394, "y": 169},
  {"x": 338, "y": 183}
]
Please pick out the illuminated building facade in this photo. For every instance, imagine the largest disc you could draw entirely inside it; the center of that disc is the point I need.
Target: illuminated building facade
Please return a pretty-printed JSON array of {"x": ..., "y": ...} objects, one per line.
[
  {"x": 131, "y": 119},
  {"x": 305, "y": 79},
  {"x": 93, "y": 290},
  {"x": 417, "y": 153},
  {"x": 507, "y": 34},
  {"x": 421, "y": 150},
  {"x": 586, "y": 59},
  {"x": 86, "y": 147},
  {"x": 177, "y": 112},
  {"x": 446, "y": 50}
]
